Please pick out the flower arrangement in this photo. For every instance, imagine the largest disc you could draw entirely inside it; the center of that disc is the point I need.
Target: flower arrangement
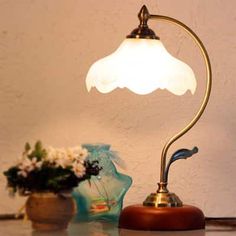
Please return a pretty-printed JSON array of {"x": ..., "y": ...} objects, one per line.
[{"x": 49, "y": 169}]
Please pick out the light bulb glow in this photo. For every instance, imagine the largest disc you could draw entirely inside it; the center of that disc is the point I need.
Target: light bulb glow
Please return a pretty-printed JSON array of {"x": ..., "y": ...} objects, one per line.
[{"x": 142, "y": 66}]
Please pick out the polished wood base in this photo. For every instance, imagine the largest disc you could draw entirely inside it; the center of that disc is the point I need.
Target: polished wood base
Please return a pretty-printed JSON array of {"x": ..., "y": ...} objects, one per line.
[{"x": 139, "y": 217}]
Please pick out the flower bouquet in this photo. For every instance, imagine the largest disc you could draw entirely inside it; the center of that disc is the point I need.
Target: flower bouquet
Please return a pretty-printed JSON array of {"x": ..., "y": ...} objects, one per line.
[{"x": 48, "y": 176}]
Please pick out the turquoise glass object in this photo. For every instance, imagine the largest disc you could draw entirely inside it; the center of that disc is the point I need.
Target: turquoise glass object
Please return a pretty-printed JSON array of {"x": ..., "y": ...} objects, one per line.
[{"x": 101, "y": 198}]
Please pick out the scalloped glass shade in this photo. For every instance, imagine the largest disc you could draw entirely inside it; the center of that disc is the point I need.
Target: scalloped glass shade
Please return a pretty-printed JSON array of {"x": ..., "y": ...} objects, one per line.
[{"x": 142, "y": 66}]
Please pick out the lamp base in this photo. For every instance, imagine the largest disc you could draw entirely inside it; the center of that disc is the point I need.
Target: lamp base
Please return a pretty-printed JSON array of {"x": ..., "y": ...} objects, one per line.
[{"x": 139, "y": 217}]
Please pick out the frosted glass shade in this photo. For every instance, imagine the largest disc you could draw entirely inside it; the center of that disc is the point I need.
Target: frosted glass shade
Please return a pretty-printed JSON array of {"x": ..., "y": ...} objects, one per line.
[{"x": 142, "y": 66}]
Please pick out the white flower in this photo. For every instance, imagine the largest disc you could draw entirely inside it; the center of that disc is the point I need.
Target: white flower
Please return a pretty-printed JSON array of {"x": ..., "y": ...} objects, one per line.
[
  {"x": 63, "y": 162},
  {"x": 51, "y": 156},
  {"x": 66, "y": 157},
  {"x": 28, "y": 165},
  {"x": 71, "y": 154},
  {"x": 80, "y": 153},
  {"x": 63, "y": 159},
  {"x": 79, "y": 169},
  {"x": 23, "y": 173}
]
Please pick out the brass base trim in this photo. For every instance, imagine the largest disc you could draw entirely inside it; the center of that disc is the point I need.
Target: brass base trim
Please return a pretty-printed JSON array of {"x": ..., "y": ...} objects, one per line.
[{"x": 163, "y": 200}]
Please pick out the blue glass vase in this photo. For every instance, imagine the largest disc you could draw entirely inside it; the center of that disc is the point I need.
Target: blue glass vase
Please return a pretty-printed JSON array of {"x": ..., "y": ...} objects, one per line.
[{"x": 101, "y": 198}]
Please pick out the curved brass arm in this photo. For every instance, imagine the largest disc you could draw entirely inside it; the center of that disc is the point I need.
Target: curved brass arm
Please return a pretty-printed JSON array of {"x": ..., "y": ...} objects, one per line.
[{"x": 206, "y": 96}]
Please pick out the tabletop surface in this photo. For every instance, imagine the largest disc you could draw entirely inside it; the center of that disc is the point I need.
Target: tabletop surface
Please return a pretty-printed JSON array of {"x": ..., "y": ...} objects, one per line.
[{"x": 23, "y": 228}]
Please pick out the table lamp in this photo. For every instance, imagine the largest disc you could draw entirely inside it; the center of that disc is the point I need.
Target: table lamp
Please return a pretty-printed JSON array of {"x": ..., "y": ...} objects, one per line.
[{"x": 142, "y": 64}]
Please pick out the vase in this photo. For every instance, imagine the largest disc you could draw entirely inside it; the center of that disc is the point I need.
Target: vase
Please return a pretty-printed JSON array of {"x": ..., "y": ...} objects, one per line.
[
  {"x": 101, "y": 198},
  {"x": 50, "y": 211}
]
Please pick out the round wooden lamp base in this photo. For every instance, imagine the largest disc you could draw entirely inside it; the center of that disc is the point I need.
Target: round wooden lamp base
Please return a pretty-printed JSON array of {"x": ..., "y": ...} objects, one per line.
[{"x": 139, "y": 217}]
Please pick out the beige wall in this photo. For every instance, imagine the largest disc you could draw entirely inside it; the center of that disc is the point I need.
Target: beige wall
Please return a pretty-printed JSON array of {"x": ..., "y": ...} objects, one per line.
[{"x": 46, "y": 48}]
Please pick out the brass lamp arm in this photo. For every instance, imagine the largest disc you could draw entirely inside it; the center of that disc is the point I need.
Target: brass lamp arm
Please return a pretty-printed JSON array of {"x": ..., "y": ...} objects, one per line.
[{"x": 163, "y": 178}]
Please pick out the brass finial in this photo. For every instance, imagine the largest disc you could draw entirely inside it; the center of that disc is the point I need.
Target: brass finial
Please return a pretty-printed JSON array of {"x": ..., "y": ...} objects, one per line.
[
  {"x": 143, "y": 16},
  {"x": 143, "y": 31}
]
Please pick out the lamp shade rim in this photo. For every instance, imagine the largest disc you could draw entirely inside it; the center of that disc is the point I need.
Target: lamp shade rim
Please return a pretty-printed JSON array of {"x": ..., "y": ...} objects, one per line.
[{"x": 142, "y": 66}]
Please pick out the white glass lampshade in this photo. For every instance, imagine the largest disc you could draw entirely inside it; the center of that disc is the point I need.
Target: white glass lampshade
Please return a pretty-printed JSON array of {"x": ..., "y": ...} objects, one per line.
[{"x": 142, "y": 66}]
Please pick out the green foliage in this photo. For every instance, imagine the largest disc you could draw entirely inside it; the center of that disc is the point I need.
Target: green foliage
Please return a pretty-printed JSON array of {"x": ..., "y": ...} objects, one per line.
[
  {"x": 39, "y": 152},
  {"x": 27, "y": 147}
]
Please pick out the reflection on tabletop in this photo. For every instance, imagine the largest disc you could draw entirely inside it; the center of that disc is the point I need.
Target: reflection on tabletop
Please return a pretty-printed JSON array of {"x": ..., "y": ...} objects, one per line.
[
  {"x": 110, "y": 229},
  {"x": 23, "y": 228}
]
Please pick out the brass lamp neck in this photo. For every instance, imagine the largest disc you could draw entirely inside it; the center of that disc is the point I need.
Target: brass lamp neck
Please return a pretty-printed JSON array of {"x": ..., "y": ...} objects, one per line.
[
  {"x": 162, "y": 187},
  {"x": 143, "y": 31}
]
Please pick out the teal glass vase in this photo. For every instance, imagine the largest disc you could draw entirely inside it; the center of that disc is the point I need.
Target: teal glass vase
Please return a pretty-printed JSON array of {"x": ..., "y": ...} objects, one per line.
[{"x": 101, "y": 197}]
